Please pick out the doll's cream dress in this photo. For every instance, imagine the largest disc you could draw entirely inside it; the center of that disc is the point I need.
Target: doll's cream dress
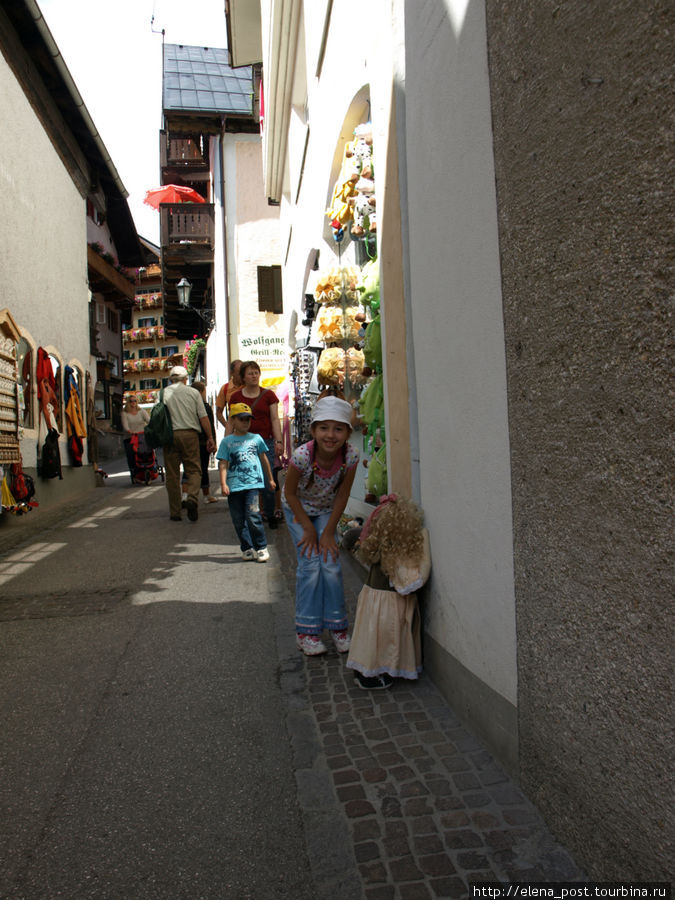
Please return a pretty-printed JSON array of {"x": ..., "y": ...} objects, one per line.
[{"x": 386, "y": 632}]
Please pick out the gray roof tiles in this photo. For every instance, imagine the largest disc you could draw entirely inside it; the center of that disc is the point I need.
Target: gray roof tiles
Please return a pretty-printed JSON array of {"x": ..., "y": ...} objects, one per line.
[{"x": 200, "y": 78}]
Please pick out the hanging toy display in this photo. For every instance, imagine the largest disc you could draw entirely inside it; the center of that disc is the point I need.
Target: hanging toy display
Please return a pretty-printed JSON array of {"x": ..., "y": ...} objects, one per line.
[
  {"x": 334, "y": 324},
  {"x": 332, "y": 367}
]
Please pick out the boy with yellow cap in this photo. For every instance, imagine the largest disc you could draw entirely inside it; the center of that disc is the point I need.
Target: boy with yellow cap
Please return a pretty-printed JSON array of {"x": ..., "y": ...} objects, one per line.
[{"x": 244, "y": 467}]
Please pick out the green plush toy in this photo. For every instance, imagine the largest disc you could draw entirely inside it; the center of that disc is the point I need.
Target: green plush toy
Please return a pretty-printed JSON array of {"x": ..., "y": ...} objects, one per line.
[{"x": 370, "y": 285}]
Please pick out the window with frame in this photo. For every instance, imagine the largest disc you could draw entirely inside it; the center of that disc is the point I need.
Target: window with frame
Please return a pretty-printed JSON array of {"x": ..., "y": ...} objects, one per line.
[
  {"x": 171, "y": 350},
  {"x": 270, "y": 298},
  {"x": 114, "y": 363},
  {"x": 147, "y": 353},
  {"x": 113, "y": 319},
  {"x": 147, "y": 322},
  {"x": 148, "y": 384}
]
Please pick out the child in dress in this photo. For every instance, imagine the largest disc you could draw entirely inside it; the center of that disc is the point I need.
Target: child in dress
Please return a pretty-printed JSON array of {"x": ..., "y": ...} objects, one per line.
[
  {"x": 318, "y": 481},
  {"x": 243, "y": 459}
]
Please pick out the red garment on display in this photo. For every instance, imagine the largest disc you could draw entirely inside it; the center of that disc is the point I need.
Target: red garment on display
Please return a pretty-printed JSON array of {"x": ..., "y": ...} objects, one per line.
[{"x": 46, "y": 387}]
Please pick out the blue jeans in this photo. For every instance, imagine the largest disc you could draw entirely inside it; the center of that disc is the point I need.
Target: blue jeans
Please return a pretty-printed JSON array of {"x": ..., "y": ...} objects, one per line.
[
  {"x": 268, "y": 495},
  {"x": 319, "y": 595},
  {"x": 246, "y": 518}
]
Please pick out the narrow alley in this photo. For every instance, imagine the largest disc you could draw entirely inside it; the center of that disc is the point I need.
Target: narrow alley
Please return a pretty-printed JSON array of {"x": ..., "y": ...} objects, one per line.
[{"x": 163, "y": 738}]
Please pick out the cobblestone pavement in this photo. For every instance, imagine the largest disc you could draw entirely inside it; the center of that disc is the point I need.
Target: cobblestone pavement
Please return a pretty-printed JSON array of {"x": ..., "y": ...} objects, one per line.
[{"x": 421, "y": 807}]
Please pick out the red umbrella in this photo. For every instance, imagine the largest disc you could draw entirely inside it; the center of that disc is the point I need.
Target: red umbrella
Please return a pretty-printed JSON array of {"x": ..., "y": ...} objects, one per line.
[{"x": 172, "y": 193}]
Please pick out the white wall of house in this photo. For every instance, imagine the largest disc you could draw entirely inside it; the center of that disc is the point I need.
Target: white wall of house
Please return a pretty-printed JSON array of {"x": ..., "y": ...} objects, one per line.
[
  {"x": 43, "y": 236},
  {"x": 217, "y": 349},
  {"x": 252, "y": 240},
  {"x": 460, "y": 371}
]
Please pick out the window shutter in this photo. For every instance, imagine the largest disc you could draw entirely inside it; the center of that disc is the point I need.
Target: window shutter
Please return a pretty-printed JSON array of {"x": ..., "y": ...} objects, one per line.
[{"x": 269, "y": 290}]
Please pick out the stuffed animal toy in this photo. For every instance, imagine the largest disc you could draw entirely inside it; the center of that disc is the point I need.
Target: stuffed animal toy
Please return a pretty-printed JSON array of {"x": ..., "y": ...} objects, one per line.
[
  {"x": 355, "y": 364},
  {"x": 328, "y": 287},
  {"x": 339, "y": 211},
  {"x": 335, "y": 324},
  {"x": 386, "y": 636},
  {"x": 369, "y": 285},
  {"x": 362, "y": 159},
  {"x": 331, "y": 366},
  {"x": 361, "y": 210}
]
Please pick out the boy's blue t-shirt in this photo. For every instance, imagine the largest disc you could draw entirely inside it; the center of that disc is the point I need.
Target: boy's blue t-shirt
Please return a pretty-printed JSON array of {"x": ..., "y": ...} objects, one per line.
[{"x": 244, "y": 471}]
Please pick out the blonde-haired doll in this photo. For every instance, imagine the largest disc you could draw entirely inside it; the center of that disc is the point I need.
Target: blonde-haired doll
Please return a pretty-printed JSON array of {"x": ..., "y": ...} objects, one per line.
[{"x": 386, "y": 642}]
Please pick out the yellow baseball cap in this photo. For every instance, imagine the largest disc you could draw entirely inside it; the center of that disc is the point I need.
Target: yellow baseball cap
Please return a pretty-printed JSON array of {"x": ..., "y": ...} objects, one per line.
[{"x": 240, "y": 409}]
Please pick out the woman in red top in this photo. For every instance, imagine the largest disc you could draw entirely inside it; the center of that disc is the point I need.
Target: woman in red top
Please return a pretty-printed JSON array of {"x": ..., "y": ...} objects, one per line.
[{"x": 265, "y": 408}]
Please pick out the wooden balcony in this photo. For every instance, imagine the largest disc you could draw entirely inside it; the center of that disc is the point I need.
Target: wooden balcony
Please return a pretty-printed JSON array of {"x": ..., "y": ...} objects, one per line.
[
  {"x": 187, "y": 152},
  {"x": 187, "y": 231}
]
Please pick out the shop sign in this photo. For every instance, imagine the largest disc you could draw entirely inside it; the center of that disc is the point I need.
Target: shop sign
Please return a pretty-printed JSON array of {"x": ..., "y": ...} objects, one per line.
[{"x": 270, "y": 353}]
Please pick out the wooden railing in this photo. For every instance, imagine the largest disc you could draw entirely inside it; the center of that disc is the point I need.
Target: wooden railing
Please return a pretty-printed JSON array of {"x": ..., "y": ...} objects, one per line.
[
  {"x": 187, "y": 223},
  {"x": 183, "y": 153}
]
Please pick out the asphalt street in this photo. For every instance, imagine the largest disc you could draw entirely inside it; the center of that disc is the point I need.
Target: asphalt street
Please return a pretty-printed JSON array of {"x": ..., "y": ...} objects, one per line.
[{"x": 143, "y": 751}]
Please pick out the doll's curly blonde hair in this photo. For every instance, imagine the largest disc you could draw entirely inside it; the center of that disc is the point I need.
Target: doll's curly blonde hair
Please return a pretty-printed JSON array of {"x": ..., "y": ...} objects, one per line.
[{"x": 392, "y": 533}]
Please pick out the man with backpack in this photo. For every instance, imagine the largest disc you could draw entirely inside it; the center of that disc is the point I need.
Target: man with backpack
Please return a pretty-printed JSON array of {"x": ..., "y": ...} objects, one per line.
[{"x": 188, "y": 417}]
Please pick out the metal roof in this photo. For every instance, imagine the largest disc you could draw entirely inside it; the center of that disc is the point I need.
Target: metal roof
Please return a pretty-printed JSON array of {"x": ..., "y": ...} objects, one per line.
[{"x": 199, "y": 79}]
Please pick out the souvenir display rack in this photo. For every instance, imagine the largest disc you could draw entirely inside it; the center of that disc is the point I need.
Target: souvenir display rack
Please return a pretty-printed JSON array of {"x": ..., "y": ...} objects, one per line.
[{"x": 9, "y": 401}]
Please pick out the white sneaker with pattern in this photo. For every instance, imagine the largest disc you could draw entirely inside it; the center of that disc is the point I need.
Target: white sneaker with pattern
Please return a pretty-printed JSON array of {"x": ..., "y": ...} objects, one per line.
[{"x": 310, "y": 644}]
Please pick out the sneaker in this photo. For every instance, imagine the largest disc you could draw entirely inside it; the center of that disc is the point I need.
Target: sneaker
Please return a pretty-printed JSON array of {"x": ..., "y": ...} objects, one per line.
[
  {"x": 272, "y": 523},
  {"x": 310, "y": 644},
  {"x": 192, "y": 510},
  {"x": 210, "y": 499},
  {"x": 262, "y": 555},
  {"x": 249, "y": 554},
  {"x": 376, "y": 683},
  {"x": 341, "y": 640}
]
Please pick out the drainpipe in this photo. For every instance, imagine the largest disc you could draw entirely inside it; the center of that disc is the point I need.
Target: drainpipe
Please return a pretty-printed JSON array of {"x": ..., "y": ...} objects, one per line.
[
  {"x": 60, "y": 64},
  {"x": 228, "y": 332}
]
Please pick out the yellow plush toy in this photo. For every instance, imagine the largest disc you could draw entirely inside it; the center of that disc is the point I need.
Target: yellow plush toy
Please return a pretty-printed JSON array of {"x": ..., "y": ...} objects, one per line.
[
  {"x": 331, "y": 366},
  {"x": 328, "y": 287}
]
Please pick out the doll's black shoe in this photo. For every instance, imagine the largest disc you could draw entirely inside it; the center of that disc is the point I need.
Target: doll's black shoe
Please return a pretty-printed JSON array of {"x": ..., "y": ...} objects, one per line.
[{"x": 376, "y": 683}]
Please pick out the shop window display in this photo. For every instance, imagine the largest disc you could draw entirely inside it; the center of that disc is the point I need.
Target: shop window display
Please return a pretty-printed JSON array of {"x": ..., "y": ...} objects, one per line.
[
  {"x": 343, "y": 352},
  {"x": 348, "y": 321}
]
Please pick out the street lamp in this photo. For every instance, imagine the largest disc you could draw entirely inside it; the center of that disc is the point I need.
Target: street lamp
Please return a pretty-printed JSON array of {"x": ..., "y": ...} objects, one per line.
[{"x": 183, "y": 289}]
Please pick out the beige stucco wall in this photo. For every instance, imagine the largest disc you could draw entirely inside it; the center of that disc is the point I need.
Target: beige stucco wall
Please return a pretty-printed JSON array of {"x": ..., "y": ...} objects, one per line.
[
  {"x": 582, "y": 106},
  {"x": 42, "y": 239}
]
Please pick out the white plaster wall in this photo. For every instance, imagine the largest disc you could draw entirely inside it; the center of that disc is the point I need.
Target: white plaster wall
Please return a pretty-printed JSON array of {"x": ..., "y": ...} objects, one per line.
[
  {"x": 43, "y": 247},
  {"x": 252, "y": 239},
  {"x": 348, "y": 65},
  {"x": 217, "y": 350},
  {"x": 455, "y": 312},
  {"x": 459, "y": 340}
]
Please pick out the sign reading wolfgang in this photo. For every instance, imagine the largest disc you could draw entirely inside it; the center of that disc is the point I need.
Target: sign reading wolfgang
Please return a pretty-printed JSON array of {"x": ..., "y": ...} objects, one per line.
[{"x": 269, "y": 352}]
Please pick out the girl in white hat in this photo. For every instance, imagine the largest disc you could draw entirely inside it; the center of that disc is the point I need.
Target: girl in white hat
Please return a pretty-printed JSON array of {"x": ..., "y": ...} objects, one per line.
[{"x": 318, "y": 482}]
